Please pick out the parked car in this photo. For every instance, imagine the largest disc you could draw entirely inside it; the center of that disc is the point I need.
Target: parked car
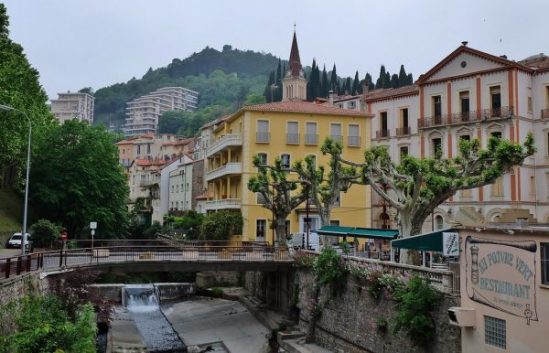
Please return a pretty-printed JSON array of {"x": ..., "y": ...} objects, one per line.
[{"x": 15, "y": 241}]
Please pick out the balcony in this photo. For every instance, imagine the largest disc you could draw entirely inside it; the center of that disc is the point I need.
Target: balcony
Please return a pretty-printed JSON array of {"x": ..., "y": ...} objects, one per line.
[
  {"x": 470, "y": 117},
  {"x": 262, "y": 137},
  {"x": 222, "y": 204},
  {"x": 292, "y": 139},
  {"x": 545, "y": 113},
  {"x": 227, "y": 169},
  {"x": 383, "y": 134},
  {"x": 311, "y": 139},
  {"x": 224, "y": 142},
  {"x": 403, "y": 131},
  {"x": 353, "y": 141}
]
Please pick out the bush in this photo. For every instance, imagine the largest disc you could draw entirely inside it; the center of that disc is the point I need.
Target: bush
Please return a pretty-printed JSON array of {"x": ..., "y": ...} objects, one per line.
[
  {"x": 329, "y": 267},
  {"x": 44, "y": 326},
  {"x": 415, "y": 302},
  {"x": 221, "y": 225},
  {"x": 188, "y": 223},
  {"x": 44, "y": 233}
]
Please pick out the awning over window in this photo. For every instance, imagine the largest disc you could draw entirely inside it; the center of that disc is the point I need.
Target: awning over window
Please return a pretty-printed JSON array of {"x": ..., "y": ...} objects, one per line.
[
  {"x": 356, "y": 232},
  {"x": 424, "y": 242}
]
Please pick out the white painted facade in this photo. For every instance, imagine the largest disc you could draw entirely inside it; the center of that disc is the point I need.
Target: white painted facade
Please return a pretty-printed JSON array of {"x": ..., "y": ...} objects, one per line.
[{"x": 180, "y": 186}]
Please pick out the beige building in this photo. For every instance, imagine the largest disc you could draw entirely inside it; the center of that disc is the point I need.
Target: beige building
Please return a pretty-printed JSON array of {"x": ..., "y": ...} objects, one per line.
[
  {"x": 504, "y": 289},
  {"x": 143, "y": 113},
  {"x": 471, "y": 94},
  {"x": 76, "y": 105}
]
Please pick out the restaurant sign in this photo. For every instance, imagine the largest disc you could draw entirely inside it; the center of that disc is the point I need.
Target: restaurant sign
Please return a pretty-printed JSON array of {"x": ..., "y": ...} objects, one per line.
[{"x": 502, "y": 274}]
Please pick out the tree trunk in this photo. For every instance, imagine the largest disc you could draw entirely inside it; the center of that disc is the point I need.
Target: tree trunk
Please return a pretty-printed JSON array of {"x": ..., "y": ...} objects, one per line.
[
  {"x": 280, "y": 230},
  {"x": 324, "y": 213}
]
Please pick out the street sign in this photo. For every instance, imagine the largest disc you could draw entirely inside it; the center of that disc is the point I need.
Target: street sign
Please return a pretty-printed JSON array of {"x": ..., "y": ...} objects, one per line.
[
  {"x": 450, "y": 244},
  {"x": 93, "y": 225}
]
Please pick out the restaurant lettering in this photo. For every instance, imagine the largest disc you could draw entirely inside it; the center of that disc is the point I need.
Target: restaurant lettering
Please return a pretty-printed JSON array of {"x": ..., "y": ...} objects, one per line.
[{"x": 502, "y": 275}]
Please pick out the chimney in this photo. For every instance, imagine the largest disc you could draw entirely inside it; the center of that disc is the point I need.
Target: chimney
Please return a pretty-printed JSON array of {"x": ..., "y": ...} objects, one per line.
[
  {"x": 365, "y": 87},
  {"x": 464, "y": 43},
  {"x": 503, "y": 56},
  {"x": 331, "y": 96}
]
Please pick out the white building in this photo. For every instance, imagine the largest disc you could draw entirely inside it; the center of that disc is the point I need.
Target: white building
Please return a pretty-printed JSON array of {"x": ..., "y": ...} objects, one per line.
[
  {"x": 471, "y": 94},
  {"x": 180, "y": 186},
  {"x": 70, "y": 106},
  {"x": 143, "y": 112}
]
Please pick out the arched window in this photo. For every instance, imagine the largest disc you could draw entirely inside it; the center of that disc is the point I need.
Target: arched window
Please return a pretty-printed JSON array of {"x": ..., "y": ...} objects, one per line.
[{"x": 439, "y": 222}]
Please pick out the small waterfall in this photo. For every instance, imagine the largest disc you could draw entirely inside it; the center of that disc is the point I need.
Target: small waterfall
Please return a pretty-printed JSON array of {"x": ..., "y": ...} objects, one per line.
[
  {"x": 141, "y": 297},
  {"x": 142, "y": 302}
]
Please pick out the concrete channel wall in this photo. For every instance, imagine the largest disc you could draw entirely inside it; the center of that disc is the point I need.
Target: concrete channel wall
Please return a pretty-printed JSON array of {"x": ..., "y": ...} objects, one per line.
[{"x": 166, "y": 291}]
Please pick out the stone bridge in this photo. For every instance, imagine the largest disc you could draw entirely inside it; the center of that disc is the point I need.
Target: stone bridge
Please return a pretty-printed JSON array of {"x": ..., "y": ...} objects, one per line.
[{"x": 144, "y": 258}]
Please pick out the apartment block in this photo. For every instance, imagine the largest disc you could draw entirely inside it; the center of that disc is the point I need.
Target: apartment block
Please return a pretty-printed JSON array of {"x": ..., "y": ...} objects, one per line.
[
  {"x": 144, "y": 112},
  {"x": 70, "y": 106}
]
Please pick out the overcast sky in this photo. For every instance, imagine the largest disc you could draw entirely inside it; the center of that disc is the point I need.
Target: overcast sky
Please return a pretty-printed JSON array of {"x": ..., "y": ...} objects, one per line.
[{"x": 79, "y": 43}]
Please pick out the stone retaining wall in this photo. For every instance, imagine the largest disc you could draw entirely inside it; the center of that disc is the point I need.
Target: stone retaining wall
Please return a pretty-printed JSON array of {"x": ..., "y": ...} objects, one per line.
[{"x": 351, "y": 321}]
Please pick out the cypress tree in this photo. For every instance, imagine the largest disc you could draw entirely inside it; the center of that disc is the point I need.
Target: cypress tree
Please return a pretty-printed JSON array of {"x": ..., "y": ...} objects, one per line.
[
  {"x": 380, "y": 83},
  {"x": 402, "y": 77},
  {"x": 387, "y": 81},
  {"x": 333, "y": 81},
  {"x": 325, "y": 85},
  {"x": 410, "y": 79},
  {"x": 369, "y": 82},
  {"x": 394, "y": 81},
  {"x": 348, "y": 85},
  {"x": 356, "y": 84},
  {"x": 269, "y": 89}
]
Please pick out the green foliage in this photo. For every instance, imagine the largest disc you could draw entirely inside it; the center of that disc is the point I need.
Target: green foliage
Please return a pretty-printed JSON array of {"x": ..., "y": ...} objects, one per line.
[
  {"x": 329, "y": 267},
  {"x": 302, "y": 259},
  {"x": 221, "y": 225},
  {"x": 217, "y": 292},
  {"x": 188, "y": 224},
  {"x": 19, "y": 88},
  {"x": 224, "y": 78},
  {"x": 188, "y": 123},
  {"x": 419, "y": 185},
  {"x": 279, "y": 192},
  {"x": 44, "y": 233},
  {"x": 415, "y": 302},
  {"x": 76, "y": 178},
  {"x": 44, "y": 326}
]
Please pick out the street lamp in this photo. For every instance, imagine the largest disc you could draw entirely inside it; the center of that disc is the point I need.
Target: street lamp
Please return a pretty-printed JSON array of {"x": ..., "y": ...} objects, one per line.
[{"x": 24, "y": 234}]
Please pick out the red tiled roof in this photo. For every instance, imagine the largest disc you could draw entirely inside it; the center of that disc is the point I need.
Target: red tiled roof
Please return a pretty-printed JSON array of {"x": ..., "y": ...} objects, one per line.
[
  {"x": 536, "y": 62},
  {"x": 149, "y": 162},
  {"x": 386, "y": 93},
  {"x": 179, "y": 142},
  {"x": 302, "y": 107}
]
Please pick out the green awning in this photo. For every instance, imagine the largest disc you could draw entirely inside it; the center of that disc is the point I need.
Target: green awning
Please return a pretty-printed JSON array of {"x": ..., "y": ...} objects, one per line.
[
  {"x": 424, "y": 242},
  {"x": 357, "y": 232}
]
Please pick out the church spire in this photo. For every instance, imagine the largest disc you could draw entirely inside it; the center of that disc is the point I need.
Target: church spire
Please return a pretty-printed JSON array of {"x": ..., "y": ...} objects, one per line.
[
  {"x": 294, "y": 84},
  {"x": 294, "y": 65}
]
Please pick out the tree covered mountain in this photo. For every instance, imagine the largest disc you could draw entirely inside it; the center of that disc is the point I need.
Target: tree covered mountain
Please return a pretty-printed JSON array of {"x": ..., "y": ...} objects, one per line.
[{"x": 223, "y": 78}]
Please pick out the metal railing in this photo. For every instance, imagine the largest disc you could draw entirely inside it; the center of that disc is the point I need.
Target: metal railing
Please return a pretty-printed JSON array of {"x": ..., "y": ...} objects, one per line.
[
  {"x": 311, "y": 139},
  {"x": 55, "y": 260},
  {"x": 353, "y": 141},
  {"x": 380, "y": 134},
  {"x": 472, "y": 116},
  {"x": 403, "y": 131},
  {"x": 292, "y": 139},
  {"x": 545, "y": 113},
  {"x": 262, "y": 137}
]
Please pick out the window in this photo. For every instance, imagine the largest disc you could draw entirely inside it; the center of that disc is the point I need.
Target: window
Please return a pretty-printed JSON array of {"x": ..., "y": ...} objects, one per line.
[
  {"x": 148, "y": 148},
  {"x": 437, "y": 147},
  {"x": 260, "y": 226},
  {"x": 403, "y": 152},
  {"x": 354, "y": 137},
  {"x": 173, "y": 188},
  {"x": 530, "y": 105},
  {"x": 437, "y": 107},
  {"x": 464, "y": 102},
  {"x": 439, "y": 222},
  {"x": 292, "y": 136},
  {"x": 404, "y": 128},
  {"x": 335, "y": 132},
  {"x": 532, "y": 186},
  {"x": 495, "y": 100},
  {"x": 544, "y": 247},
  {"x": 262, "y": 158},
  {"x": 334, "y": 222},
  {"x": 262, "y": 135},
  {"x": 496, "y": 134},
  {"x": 464, "y": 138},
  {"x": 285, "y": 160},
  {"x": 495, "y": 333},
  {"x": 351, "y": 105},
  {"x": 383, "y": 125},
  {"x": 311, "y": 137},
  {"x": 138, "y": 149}
]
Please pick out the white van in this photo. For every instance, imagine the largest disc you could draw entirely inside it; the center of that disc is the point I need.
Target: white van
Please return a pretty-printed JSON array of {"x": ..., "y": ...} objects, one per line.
[
  {"x": 299, "y": 241},
  {"x": 15, "y": 241}
]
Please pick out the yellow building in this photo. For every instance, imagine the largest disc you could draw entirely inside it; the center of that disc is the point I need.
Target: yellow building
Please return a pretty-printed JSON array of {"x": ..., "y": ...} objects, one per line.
[{"x": 291, "y": 130}]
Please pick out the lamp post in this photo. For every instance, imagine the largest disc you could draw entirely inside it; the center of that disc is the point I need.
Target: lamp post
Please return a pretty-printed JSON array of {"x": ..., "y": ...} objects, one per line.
[{"x": 25, "y": 210}]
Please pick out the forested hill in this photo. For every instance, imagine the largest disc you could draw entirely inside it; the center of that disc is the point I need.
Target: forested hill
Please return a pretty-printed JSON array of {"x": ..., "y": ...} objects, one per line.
[{"x": 224, "y": 78}]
